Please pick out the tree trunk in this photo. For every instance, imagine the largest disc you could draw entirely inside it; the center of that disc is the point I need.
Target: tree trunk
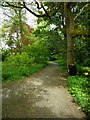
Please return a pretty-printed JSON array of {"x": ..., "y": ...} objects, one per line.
[{"x": 70, "y": 43}]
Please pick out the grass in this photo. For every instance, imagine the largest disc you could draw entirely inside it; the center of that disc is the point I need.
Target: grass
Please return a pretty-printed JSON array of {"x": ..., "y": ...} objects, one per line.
[
  {"x": 13, "y": 72},
  {"x": 79, "y": 88}
]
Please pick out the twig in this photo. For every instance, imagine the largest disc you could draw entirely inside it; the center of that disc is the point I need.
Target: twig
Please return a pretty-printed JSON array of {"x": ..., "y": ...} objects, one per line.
[{"x": 82, "y": 10}]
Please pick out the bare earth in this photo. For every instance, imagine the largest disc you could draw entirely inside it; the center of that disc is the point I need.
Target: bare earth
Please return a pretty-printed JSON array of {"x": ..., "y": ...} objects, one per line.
[{"x": 42, "y": 95}]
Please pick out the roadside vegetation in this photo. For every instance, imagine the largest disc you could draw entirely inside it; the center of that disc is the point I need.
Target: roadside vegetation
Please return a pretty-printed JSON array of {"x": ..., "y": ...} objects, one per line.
[
  {"x": 78, "y": 85},
  {"x": 25, "y": 63}
]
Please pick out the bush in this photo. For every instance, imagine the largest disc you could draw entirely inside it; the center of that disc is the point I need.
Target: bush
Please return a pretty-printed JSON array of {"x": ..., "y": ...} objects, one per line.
[
  {"x": 38, "y": 51},
  {"x": 20, "y": 59},
  {"x": 19, "y": 65}
]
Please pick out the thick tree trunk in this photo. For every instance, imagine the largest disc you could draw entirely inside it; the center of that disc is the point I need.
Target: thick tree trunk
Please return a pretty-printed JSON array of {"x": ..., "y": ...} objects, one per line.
[{"x": 70, "y": 43}]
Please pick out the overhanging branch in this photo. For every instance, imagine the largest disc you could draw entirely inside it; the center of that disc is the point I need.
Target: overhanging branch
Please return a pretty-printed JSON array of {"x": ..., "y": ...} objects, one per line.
[
  {"x": 8, "y": 4},
  {"x": 37, "y": 15},
  {"x": 45, "y": 10},
  {"x": 11, "y": 5}
]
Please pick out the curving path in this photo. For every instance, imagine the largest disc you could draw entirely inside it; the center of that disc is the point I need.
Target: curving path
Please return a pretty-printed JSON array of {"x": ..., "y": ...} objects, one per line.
[{"x": 42, "y": 95}]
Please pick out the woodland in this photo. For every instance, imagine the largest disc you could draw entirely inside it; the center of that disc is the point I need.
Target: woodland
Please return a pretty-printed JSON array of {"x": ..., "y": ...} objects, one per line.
[{"x": 62, "y": 34}]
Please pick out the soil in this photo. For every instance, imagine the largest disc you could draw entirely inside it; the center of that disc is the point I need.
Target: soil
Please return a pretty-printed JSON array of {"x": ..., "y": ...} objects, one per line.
[{"x": 42, "y": 95}]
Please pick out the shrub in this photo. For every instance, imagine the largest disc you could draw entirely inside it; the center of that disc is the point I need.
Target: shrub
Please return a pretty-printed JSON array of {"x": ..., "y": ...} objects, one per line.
[
  {"x": 20, "y": 59},
  {"x": 19, "y": 65},
  {"x": 38, "y": 51},
  {"x": 84, "y": 71}
]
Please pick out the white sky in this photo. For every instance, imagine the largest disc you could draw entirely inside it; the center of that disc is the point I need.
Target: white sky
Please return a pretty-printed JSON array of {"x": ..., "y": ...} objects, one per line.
[
  {"x": 1, "y": 17},
  {"x": 31, "y": 19}
]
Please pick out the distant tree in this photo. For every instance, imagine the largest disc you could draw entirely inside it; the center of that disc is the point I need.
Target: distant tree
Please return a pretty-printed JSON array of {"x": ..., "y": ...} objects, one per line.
[{"x": 15, "y": 31}]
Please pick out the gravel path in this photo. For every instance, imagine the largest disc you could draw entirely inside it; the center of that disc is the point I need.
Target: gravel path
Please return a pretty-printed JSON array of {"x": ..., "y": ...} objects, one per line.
[{"x": 42, "y": 95}]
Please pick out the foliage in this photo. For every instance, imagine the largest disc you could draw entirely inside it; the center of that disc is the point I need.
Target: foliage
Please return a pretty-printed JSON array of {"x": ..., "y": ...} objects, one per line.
[
  {"x": 20, "y": 59},
  {"x": 62, "y": 63},
  {"x": 32, "y": 58},
  {"x": 79, "y": 88},
  {"x": 82, "y": 48},
  {"x": 18, "y": 66},
  {"x": 13, "y": 72},
  {"x": 84, "y": 71},
  {"x": 39, "y": 51},
  {"x": 5, "y": 54},
  {"x": 54, "y": 38}
]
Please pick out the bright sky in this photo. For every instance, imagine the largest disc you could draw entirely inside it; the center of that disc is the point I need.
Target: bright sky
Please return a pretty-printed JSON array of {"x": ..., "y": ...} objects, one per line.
[
  {"x": 31, "y": 19},
  {"x": 1, "y": 17}
]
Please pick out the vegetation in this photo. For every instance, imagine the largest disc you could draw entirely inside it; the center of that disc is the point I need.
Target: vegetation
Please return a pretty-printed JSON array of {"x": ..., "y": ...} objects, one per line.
[
  {"x": 62, "y": 34},
  {"x": 79, "y": 88},
  {"x": 21, "y": 64}
]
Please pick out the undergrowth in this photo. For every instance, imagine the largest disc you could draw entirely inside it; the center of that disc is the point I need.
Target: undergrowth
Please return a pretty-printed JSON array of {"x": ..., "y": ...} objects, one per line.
[
  {"x": 79, "y": 88},
  {"x": 62, "y": 64},
  {"x": 13, "y": 72},
  {"x": 19, "y": 66}
]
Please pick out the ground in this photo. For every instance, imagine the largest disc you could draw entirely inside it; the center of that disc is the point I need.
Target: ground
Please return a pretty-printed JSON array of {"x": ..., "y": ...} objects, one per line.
[{"x": 42, "y": 95}]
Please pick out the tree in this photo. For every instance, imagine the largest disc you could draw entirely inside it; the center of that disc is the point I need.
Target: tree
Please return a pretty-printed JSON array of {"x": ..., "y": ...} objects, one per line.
[{"x": 15, "y": 31}]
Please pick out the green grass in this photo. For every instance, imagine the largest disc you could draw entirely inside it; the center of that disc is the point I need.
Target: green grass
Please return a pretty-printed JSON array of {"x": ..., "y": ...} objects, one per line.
[
  {"x": 14, "y": 72},
  {"x": 79, "y": 88}
]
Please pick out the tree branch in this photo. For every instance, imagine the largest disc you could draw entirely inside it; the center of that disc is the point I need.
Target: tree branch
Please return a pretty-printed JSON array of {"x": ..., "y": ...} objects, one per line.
[
  {"x": 37, "y": 15},
  {"x": 45, "y": 10},
  {"x": 37, "y": 4},
  {"x": 41, "y": 7},
  {"x": 82, "y": 10},
  {"x": 8, "y": 4}
]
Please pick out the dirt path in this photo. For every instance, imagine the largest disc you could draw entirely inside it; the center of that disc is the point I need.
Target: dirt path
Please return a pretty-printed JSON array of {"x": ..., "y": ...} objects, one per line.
[{"x": 43, "y": 95}]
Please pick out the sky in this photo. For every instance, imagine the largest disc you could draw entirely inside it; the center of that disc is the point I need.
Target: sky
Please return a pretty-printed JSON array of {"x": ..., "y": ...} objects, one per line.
[
  {"x": 1, "y": 17},
  {"x": 31, "y": 19}
]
